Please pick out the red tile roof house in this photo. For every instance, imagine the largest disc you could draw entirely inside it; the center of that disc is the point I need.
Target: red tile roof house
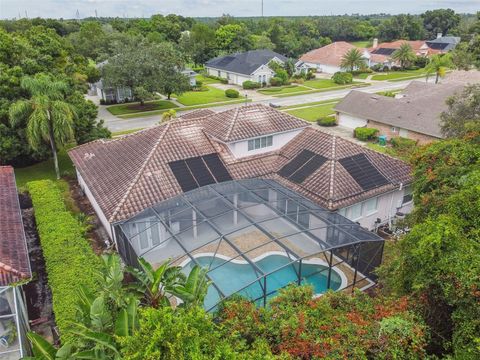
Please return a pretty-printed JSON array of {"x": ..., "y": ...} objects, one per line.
[
  {"x": 14, "y": 269},
  {"x": 124, "y": 176},
  {"x": 328, "y": 58}
]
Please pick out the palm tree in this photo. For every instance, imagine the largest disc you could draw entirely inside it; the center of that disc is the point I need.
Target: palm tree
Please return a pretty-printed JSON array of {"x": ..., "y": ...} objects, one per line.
[
  {"x": 404, "y": 54},
  {"x": 352, "y": 60},
  {"x": 49, "y": 118},
  {"x": 438, "y": 64}
]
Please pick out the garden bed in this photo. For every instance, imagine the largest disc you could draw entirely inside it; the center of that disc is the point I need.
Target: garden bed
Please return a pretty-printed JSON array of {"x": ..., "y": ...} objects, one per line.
[{"x": 130, "y": 108}]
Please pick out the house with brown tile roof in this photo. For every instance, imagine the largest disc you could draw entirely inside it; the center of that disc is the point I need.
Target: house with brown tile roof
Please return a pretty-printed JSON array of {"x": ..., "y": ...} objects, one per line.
[
  {"x": 124, "y": 176},
  {"x": 328, "y": 58},
  {"x": 14, "y": 269},
  {"x": 414, "y": 113}
]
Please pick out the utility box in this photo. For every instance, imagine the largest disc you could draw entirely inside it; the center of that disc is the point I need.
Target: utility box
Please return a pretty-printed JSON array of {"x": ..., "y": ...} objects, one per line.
[{"x": 382, "y": 140}]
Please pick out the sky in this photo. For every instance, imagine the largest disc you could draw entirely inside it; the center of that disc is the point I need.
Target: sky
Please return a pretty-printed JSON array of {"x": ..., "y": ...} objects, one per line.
[{"x": 202, "y": 8}]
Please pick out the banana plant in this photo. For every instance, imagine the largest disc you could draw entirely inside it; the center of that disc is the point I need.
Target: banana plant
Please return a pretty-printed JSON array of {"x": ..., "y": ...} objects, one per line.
[
  {"x": 156, "y": 285},
  {"x": 111, "y": 278},
  {"x": 195, "y": 288},
  {"x": 43, "y": 350}
]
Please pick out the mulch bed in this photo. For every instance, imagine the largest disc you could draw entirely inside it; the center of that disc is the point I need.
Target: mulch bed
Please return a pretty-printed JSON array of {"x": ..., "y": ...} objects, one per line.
[{"x": 144, "y": 107}]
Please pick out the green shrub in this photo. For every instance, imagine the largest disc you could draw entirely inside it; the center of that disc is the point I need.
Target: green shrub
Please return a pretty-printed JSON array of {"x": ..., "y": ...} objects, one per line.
[
  {"x": 223, "y": 81},
  {"x": 248, "y": 85},
  {"x": 282, "y": 75},
  {"x": 342, "y": 78},
  {"x": 232, "y": 93},
  {"x": 327, "y": 121},
  {"x": 401, "y": 142},
  {"x": 362, "y": 71},
  {"x": 365, "y": 134},
  {"x": 310, "y": 75},
  {"x": 199, "y": 83},
  {"x": 275, "y": 81},
  {"x": 69, "y": 258}
]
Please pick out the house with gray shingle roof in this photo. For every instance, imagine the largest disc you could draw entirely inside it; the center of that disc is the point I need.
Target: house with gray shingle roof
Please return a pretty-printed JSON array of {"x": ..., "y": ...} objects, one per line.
[
  {"x": 124, "y": 176},
  {"x": 414, "y": 113},
  {"x": 246, "y": 66}
]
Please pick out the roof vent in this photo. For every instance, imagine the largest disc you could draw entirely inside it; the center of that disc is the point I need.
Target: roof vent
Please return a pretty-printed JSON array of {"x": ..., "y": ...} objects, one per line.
[{"x": 88, "y": 156}]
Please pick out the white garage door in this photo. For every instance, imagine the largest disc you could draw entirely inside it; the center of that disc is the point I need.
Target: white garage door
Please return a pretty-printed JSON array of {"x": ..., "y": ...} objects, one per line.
[{"x": 350, "y": 121}]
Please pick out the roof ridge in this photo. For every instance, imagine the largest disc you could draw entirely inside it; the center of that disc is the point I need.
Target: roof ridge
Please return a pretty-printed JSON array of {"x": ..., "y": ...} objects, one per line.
[
  {"x": 11, "y": 269},
  {"x": 234, "y": 120},
  {"x": 140, "y": 171},
  {"x": 332, "y": 171}
]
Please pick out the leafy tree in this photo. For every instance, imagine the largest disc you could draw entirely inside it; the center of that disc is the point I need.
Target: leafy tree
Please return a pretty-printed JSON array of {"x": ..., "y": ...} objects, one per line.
[
  {"x": 169, "y": 115},
  {"x": 262, "y": 42},
  {"x": 406, "y": 27},
  {"x": 200, "y": 44},
  {"x": 440, "y": 21},
  {"x": 463, "y": 114},
  {"x": 404, "y": 54},
  {"x": 233, "y": 38},
  {"x": 462, "y": 58},
  {"x": 48, "y": 116},
  {"x": 438, "y": 65},
  {"x": 141, "y": 94},
  {"x": 352, "y": 60},
  {"x": 91, "y": 40}
]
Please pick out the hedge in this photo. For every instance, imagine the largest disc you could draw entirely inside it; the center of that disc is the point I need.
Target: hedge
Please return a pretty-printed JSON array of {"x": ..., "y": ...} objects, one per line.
[
  {"x": 69, "y": 258},
  {"x": 251, "y": 85},
  {"x": 342, "y": 78},
  {"x": 365, "y": 134},
  {"x": 232, "y": 93},
  {"x": 327, "y": 121}
]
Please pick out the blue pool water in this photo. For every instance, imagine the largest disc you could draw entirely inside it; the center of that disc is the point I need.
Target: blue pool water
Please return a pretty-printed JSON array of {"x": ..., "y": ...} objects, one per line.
[{"x": 232, "y": 277}]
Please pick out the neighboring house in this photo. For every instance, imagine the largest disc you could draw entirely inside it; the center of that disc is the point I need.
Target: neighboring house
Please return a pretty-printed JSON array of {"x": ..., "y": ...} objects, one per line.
[
  {"x": 328, "y": 58},
  {"x": 125, "y": 94},
  {"x": 414, "y": 113},
  {"x": 382, "y": 53},
  {"x": 247, "y": 66},
  {"x": 14, "y": 270},
  {"x": 248, "y": 142}
]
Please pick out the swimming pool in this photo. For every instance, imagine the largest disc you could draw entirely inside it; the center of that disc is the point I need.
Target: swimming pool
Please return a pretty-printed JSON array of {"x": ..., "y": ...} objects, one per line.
[{"x": 233, "y": 276}]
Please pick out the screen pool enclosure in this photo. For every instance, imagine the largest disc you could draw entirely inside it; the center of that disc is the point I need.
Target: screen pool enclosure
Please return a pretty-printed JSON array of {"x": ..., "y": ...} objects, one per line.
[{"x": 255, "y": 236}]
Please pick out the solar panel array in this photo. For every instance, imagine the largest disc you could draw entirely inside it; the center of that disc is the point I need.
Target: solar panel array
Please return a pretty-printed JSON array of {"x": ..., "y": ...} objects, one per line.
[
  {"x": 302, "y": 166},
  {"x": 363, "y": 172},
  {"x": 437, "y": 46},
  {"x": 383, "y": 51},
  {"x": 199, "y": 171}
]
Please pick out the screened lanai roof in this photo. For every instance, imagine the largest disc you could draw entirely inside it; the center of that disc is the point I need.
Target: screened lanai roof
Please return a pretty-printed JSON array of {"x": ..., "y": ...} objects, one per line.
[{"x": 241, "y": 222}]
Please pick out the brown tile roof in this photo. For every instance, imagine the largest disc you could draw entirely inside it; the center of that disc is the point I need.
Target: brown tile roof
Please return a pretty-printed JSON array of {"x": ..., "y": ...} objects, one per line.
[
  {"x": 248, "y": 122},
  {"x": 329, "y": 55},
  {"x": 418, "y": 47},
  {"x": 417, "y": 110},
  {"x": 14, "y": 262},
  {"x": 129, "y": 174}
]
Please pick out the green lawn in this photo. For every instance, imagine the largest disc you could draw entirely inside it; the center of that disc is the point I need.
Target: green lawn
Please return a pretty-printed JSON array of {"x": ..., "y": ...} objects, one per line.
[
  {"x": 206, "y": 80},
  {"x": 322, "y": 84},
  {"x": 278, "y": 90},
  {"x": 398, "y": 75},
  {"x": 311, "y": 104},
  {"x": 363, "y": 76},
  {"x": 125, "y": 132},
  {"x": 313, "y": 113},
  {"x": 211, "y": 95},
  {"x": 362, "y": 43},
  {"x": 43, "y": 170},
  {"x": 132, "y": 108}
]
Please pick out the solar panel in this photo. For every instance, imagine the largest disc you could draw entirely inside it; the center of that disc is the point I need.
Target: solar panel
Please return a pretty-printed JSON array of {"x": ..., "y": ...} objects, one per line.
[
  {"x": 183, "y": 175},
  {"x": 363, "y": 172},
  {"x": 217, "y": 168},
  {"x": 384, "y": 51},
  {"x": 200, "y": 171},
  {"x": 437, "y": 46},
  {"x": 308, "y": 169},
  {"x": 293, "y": 165}
]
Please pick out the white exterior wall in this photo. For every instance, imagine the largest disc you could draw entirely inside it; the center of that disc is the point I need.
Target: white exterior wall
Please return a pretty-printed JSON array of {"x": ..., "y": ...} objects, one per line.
[
  {"x": 240, "y": 148},
  {"x": 387, "y": 206},
  {"x": 350, "y": 121},
  {"x": 264, "y": 72},
  {"x": 239, "y": 79},
  {"x": 96, "y": 207},
  {"x": 324, "y": 68}
]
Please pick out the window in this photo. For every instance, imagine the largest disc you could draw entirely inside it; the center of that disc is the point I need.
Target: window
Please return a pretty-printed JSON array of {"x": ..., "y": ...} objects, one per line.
[
  {"x": 260, "y": 143},
  {"x": 370, "y": 206},
  {"x": 394, "y": 129},
  {"x": 354, "y": 212},
  {"x": 407, "y": 195},
  {"x": 218, "y": 73}
]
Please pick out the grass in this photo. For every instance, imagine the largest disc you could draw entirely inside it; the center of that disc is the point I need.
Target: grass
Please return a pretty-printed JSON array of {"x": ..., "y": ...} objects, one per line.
[
  {"x": 362, "y": 43},
  {"x": 43, "y": 170},
  {"x": 206, "y": 80},
  {"x": 400, "y": 75},
  {"x": 125, "y": 132},
  {"x": 278, "y": 90},
  {"x": 339, "y": 87},
  {"x": 194, "y": 107},
  {"x": 311, "y": 104},
  {"x": 362, "y": 76},
  {"x": 211, "y": 95},
  {"x": 131, "y": 108},
  {"x": 322, "y": 84},
  {"x": 313, "y": 113}
]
